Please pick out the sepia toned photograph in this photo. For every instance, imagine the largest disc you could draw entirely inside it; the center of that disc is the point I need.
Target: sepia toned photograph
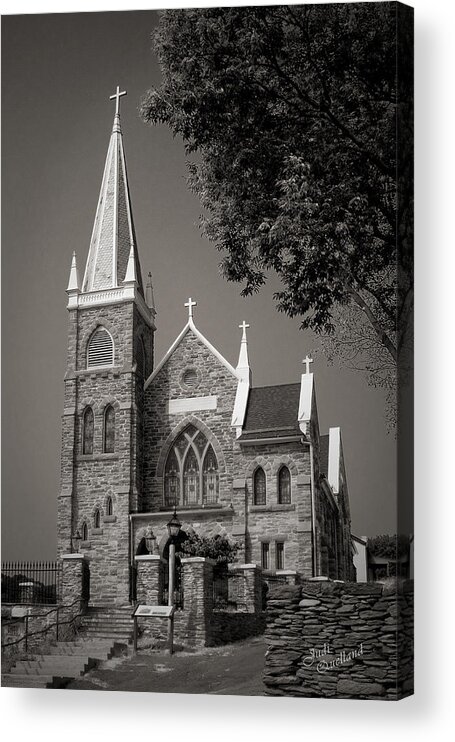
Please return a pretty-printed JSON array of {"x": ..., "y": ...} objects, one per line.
[{"x": 207, "y": 335}]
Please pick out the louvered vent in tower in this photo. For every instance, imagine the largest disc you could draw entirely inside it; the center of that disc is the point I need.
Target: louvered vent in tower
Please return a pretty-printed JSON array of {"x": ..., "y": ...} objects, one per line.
[{"x": 100, "y": 350}]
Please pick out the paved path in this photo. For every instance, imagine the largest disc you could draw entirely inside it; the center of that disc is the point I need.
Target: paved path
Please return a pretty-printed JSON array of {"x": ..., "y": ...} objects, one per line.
[{"x": 234, "y": 669}]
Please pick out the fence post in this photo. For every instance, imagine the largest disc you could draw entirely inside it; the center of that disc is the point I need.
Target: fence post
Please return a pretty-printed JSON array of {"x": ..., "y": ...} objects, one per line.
[
  {"x": 26, "y": 633},
  {"x": 56, "y": 626}
]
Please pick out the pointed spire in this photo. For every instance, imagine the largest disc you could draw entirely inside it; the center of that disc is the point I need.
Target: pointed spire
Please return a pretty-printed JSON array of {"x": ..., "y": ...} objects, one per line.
[
  {"x": 243, "y": 355},
  {"x": 113, "y": 237},
  {"x": 73, "y": 282},
  {"x": 149, "y": 297}
]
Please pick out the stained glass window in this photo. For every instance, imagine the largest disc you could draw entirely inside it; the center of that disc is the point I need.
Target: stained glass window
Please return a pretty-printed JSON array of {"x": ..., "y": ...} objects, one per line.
[
  {"x": 191, "y": 479},
  {"x": 191, "y": 471},
  {"x": 88, "y": 425},
  {"x": 210, "y": 480},
  {"x": 172, "y": 481},
  {"x": 284, "y": 486},
  {"x": 259, "y": 488},
  {"x": 109, "y": 430}
]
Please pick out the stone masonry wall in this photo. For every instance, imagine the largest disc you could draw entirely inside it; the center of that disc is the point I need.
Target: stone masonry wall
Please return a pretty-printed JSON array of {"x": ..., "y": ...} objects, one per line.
[{"x": 343, "y": 640}]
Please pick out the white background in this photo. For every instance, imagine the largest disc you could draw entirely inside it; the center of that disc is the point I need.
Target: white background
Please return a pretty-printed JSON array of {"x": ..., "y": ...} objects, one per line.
[{"x": 91, "y": 715}]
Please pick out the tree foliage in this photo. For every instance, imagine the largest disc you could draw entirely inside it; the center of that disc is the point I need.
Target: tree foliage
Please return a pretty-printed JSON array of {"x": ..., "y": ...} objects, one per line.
[
  {"x": 391, "y": 547},
  {"x": 290, "y": 116},
  {"x": 219, "y": 547}
]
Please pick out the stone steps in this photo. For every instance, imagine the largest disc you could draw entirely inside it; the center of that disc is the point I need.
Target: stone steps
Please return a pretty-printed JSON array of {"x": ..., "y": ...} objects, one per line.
[{"x": 63, "y": 662}]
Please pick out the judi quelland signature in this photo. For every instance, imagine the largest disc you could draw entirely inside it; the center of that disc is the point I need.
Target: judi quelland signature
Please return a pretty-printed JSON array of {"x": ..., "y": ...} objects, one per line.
[{"x": 325, "y": 662}]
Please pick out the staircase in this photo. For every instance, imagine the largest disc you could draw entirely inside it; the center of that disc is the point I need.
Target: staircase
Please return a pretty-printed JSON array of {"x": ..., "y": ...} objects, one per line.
[
  {"x": 104, "y": 632},
  {"x": 63, "y": 662},
  {"x": 108, "y": 622}
]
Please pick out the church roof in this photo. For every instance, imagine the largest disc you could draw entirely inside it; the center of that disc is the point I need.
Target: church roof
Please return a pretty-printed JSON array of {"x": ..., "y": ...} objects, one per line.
[
  {"x": 324, "y": 454},
  {"x": 113, "y": 237},
  {"x": 272, "y": 409}
]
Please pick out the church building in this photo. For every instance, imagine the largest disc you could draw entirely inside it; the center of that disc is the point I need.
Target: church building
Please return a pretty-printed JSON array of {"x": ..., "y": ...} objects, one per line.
[{"x": 189, "y": 431}]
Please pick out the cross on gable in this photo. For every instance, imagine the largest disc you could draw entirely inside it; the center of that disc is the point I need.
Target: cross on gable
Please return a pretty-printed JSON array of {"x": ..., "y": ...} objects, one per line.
[
  {"x": 117, "y": 95},
  {"x": 307, "y": 360},
  {"x": 190, "y": 304}
]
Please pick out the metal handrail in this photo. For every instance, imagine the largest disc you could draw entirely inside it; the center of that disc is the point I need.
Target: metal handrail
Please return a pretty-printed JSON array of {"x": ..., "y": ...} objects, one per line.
[{"x": 57, "y": 624}]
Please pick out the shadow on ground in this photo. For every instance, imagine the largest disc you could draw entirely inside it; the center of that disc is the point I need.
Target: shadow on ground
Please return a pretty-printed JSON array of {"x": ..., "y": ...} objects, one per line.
[{"x": 234, "y": 670}]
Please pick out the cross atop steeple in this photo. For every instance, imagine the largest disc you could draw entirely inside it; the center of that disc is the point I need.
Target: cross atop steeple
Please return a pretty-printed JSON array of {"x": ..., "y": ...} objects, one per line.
[
  {"x": 307, "y": 362},
  {"x": 190, "y": 304},
  {"x": 244, "y": 327},
  {"x": 117, "y": 95}
]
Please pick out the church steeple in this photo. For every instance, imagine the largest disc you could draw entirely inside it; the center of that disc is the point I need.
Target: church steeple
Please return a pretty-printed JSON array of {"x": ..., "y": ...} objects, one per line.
[{"x": 113, "y": 244}]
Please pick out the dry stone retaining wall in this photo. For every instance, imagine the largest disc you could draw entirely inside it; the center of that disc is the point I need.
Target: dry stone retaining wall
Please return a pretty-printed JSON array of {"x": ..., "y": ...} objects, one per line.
[{"x": 344, "y": 640}]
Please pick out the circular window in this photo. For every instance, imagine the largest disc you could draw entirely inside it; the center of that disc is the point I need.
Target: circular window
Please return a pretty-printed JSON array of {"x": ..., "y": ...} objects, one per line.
[{"x": 190, "y": 378}]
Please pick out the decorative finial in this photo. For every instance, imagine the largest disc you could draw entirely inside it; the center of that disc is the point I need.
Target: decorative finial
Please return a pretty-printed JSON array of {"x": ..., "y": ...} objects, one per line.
[
  {"x": 244, "y": 327},
  {"x": 307, "y": 362},
  {"x": 149, "y": 298},
  {"x": 117, "y": 95},
  {"x": 190, "y": 304}
]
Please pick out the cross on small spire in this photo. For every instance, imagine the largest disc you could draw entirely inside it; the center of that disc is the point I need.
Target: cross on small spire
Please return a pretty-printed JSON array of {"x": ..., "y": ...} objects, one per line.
[
  {"x": 307, "y": 362},
  {"x": 117, "y": 95},
  {"x": 244, "y": 327},
  {"x": 190, "y": 304}
]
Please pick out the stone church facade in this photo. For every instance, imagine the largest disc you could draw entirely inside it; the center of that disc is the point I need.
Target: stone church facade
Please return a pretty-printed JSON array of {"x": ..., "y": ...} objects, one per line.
[{"x": 191, "y": 431}]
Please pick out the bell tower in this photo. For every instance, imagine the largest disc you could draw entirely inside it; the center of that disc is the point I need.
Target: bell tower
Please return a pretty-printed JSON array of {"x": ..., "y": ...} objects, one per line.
[{"x": 110, "y": 354}]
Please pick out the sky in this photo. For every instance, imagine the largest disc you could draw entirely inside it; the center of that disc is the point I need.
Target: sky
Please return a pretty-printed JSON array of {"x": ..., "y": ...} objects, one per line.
[{"x": 58, "y": 72}]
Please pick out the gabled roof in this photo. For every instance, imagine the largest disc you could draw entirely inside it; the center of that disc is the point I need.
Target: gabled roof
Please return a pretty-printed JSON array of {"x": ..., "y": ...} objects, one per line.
[
  {"x": 190, "y": 327},
  {"x": 113, "y": 236},
  {"x": 272, "y": 411}
]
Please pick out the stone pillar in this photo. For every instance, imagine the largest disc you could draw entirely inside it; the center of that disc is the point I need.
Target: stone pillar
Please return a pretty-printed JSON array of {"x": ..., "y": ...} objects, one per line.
[
  {"x": 252, "y": 582},
  {"x": 193, "y": 625},
  {"x": 75, "y": 582},
  {"x": 290, "y": 575},
  {"x": 150, "y": 579}
]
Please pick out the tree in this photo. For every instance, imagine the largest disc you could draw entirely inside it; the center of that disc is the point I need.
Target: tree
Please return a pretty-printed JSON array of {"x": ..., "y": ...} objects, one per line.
[
  {"x": 219, "y": 547},
  {"x": 290, "y": 114}
]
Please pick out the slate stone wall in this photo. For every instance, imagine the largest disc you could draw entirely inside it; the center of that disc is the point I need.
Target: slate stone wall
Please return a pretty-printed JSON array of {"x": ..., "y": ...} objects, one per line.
[{"x": 343, "y": 640}]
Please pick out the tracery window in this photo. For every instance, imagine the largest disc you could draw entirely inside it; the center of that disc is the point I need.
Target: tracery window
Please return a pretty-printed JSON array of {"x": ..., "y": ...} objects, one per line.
[
  {"x": 88, "y": 425},
  {"x": 259, "y": 487},
  {"x": 109, "y": 430},
  {"x": 191, "y": 473},
  {"x": 284, "y": 486}
]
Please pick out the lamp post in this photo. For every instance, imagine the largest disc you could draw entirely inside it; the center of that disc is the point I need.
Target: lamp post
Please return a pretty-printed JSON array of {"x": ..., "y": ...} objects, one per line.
[
  {"x": 75, "y": 542},
  {"x": 150, "y": 540},
  {"x": 173, "y": 528}
]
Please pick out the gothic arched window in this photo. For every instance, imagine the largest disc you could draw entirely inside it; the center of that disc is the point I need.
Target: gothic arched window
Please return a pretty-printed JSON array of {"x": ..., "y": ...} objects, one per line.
[
  {"x": 100, "y": 349},
  {"x": 191, "y": 471},
  {"x": 96, "y": 519},
  {"x": 109, "y": 430},
  {"x": 84, "y": 532},
  {"x": 259, "y": 487},
  {"x": 191, "y": 478},
  {"x": 140, "y": 357},
  {"x": 210, "y": 479},
  {"x": 284, "y": 486},
  {"x": 109, "y": 506},
  {"x": 172, "y": 481},
  {"x": 88, "y": 425}
]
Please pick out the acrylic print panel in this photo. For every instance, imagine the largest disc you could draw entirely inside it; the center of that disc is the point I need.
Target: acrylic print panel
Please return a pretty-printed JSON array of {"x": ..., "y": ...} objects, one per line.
[{"x": 225, "y": 510}]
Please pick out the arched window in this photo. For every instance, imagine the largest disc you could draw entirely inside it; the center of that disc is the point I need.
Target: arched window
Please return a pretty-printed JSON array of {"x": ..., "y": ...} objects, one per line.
[
  {"x": 96, "y": 519},
  {"x": 191, "y": 479},
  {"x": 191, "y": 471},
  {"x": 284, "y": 486},
  {"x": 109, "y": 430},
  {"x": 210, "y": 479},
  {"x": 84, "y": 532},
  {"x": 88, "y": 425},
  {"x": 100, "y": 349},
  {"x": 259, "y": 488},
  {"x": 172, "y": 481},
  {"x": 109, "y": 506}
]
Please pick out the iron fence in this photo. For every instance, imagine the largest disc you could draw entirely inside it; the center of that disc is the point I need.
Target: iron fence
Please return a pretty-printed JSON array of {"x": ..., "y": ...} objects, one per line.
[{"x": 31, "y": 583}]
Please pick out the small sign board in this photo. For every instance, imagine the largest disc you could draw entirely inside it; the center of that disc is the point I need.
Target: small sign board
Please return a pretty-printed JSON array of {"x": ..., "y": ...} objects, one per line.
[{"x": 151, "y": 611}]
